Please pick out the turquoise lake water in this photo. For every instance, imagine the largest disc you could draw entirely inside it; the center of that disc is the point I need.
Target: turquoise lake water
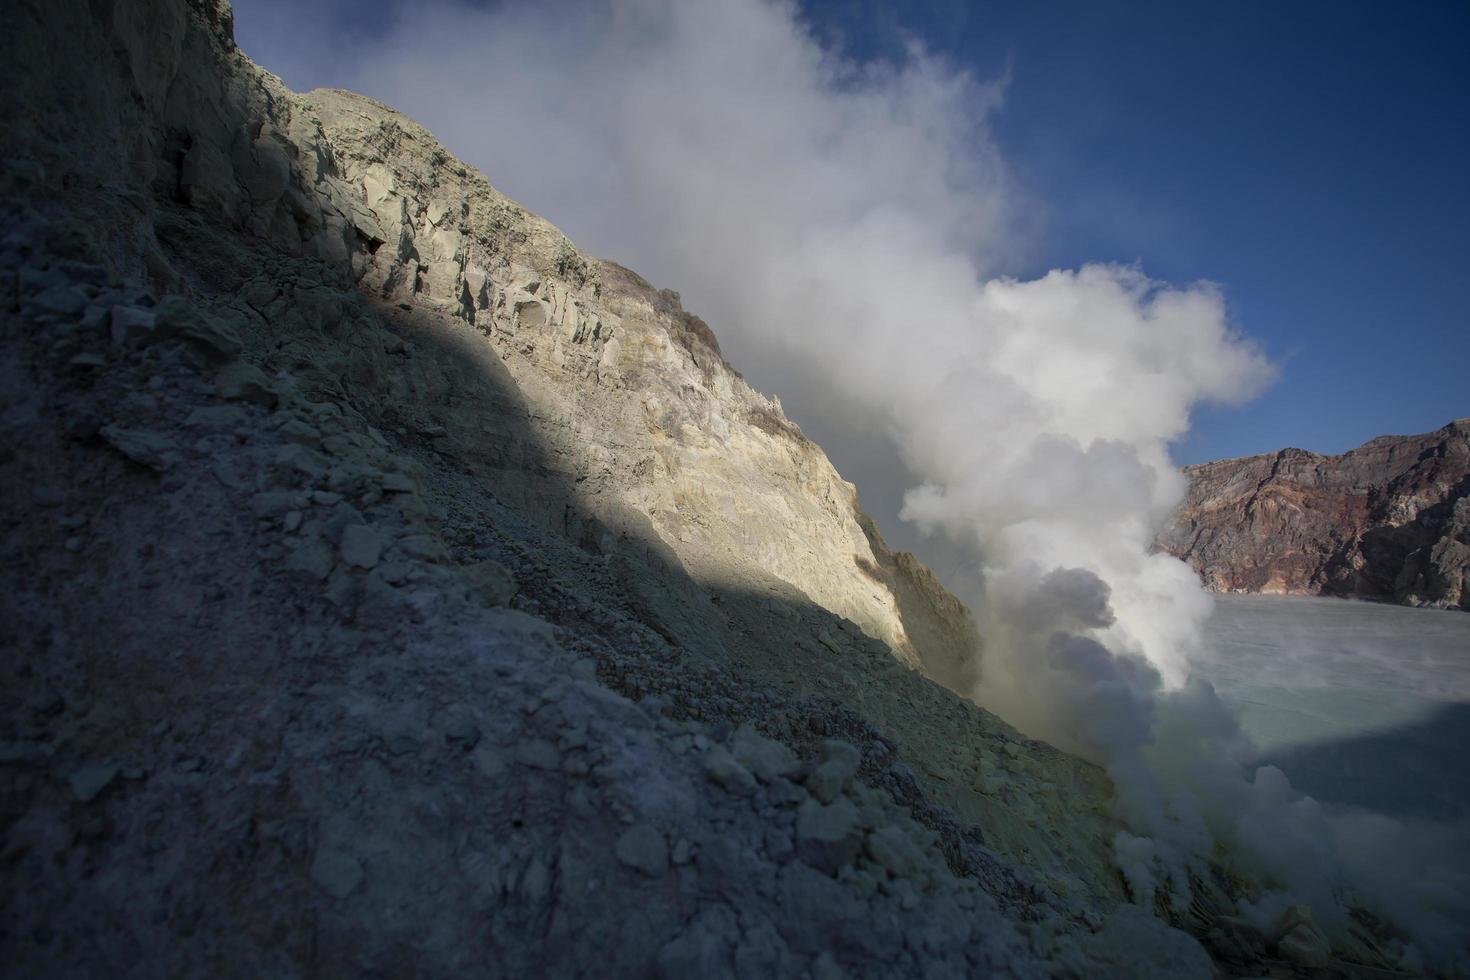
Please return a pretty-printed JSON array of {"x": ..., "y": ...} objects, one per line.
[{"x": 1359, "y": 703}]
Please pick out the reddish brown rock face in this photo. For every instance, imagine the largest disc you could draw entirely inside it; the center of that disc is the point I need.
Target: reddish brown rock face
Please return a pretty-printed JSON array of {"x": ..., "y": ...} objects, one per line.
[{"x": 1389, "y": 520}]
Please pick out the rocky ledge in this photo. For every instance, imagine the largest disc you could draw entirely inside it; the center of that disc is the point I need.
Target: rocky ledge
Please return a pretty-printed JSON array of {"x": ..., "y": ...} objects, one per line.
[{"x": 1388, "y": 521}]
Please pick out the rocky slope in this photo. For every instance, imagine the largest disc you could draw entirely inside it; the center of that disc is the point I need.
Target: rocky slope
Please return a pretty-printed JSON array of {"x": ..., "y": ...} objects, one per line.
[
  {"x": 394, "y": 589},
  {"x": 1389, "y": 520}
]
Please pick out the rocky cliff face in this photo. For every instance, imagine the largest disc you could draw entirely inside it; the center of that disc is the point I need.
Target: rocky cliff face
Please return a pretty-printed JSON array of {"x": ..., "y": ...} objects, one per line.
[
  {"x": 393, "y": 588},
  {"x": 1389, "y": 520}
]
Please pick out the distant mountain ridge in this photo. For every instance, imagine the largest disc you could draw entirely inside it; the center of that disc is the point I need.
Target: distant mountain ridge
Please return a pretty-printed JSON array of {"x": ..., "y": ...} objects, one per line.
[{"x": 1388, "y": 521}]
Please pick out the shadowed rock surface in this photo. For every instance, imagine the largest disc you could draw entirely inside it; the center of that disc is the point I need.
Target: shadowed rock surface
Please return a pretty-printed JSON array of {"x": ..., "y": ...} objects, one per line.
[{"x": 1389, "y": 521}]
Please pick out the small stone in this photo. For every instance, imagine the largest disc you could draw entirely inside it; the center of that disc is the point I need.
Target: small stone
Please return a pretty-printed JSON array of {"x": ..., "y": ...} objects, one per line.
[
  {"x": 461, "y": 730},
  {"x": 721, "y": 767},
  {"x": 825, "y": 967},
  {"x": 492, "y": 582},
  {"x": 829, "y": 641},
  {"x": 490, "y": 761},
  {"x": 306, "y": 461},
  {"x": 131, "y": 325},
  {"x": 361, "y": 546},
  {"x": 422, "y": 547},
  {"x": 839, "y": 766},
  {"x": 395, "y": 572},
  {"x": 88, "y": 782},
  {"x": 312, "y": 558},
  {"x": 828, "y": 837},
  {"x": 397, "y": 483},
  {"x": 766, "y": 759},
  {"x": 23, "y": 753},
  {"x": 698, "y": 952},
  {"x": 776, "y": 842},
  {"x": 222, "y": 417},
  {"x": 245, "y": 382},
  {"x": 295, "y": 430},
  {"x": 325, "y": 498},
  {"x": 894, "y": 851},
  {"x": 271, "y": 502},
  {"x": 150, "y": 449},
  {"x": 291, "y": 521},
  {"x": 88, "y": 359},
  {"x": 783, "y": 792},
  {"x": 340, "y": 590},
  {"x": 22, "y": 175},
  {"x": 47, "y": 495},
  {"x": 60, "y": 300},
  {"x": 336, "y": 872},
  {"x": 73, "y": 544},
  {"x": 179, "y": 318},
  {"x": 49, "y": 702},
  {"x": 87, "y": 272},
  {"x": 538, "y": 754},
  {"x": 986, "y": 780},
  {"x": 227, "y": 472},
  {"x": 644, "y": 848},
  {"x": 682, "y": 853}
]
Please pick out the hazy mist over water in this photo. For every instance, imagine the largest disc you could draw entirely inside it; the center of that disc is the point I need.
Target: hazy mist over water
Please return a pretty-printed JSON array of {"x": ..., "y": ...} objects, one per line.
[{"x": 1358, "y": 703}]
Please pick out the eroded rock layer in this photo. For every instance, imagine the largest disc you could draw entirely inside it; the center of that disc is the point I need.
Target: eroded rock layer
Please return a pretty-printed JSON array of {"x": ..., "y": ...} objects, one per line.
[{"x": 1389, "y": 521}]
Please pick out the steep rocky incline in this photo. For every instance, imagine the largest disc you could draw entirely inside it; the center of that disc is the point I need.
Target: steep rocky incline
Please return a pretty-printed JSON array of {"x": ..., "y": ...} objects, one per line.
[
  {"x": 1389, "y": 520},
  {"x": 394, "y": 589}
]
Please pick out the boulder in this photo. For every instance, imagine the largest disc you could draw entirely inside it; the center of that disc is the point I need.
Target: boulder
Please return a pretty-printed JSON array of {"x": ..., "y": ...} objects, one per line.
[
  {"x": 644, "y": 848},
  {"x": 828, "y": 837},
  {"x": 765, "y": 758}
]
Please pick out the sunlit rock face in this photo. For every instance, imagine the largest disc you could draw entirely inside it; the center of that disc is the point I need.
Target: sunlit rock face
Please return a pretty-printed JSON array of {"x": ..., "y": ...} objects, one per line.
[
  {"x": 628, "y": 396},
  {"x": 1389, "y": 520}
]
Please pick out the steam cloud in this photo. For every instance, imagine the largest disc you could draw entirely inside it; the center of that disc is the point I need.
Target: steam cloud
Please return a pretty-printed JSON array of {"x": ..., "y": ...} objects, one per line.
[{"x": 845, "y": 227}]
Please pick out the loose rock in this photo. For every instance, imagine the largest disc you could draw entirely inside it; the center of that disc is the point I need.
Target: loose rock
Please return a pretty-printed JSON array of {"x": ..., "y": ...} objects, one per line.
[
  {"x": 361, "y": 546},
  {"x": 88, "y": 782},
  {"x": 336, "y": 872},
  {"x": 765, "y": 758},
  {"x": 827, "y": 837},
  {"x": 644, "y": 848},
  {"x": 721, "y": 767},
  {"x": 245, "y": 382}
]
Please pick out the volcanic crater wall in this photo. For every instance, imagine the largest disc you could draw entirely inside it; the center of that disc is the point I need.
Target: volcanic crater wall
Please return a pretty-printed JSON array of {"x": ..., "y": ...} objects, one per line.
[{"x": 1388, "y": 521}]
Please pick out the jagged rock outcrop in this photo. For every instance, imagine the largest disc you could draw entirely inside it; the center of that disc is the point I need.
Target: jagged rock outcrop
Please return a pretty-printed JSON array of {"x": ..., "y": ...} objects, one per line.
[
  {"x": 393, "y": 588},
  {"x": 1389, "y": 521}
]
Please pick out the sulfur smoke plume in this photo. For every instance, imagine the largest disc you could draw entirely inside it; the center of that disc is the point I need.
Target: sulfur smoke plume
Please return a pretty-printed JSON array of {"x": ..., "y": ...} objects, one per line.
[{"x": 846, "y": 226}]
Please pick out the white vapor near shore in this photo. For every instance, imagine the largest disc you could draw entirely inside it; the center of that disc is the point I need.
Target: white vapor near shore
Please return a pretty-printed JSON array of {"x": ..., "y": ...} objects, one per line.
[{"x": 844, "y": 227}]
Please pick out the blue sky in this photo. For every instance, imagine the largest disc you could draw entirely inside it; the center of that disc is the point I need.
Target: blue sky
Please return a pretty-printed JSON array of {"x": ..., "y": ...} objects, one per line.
[{"x": 1310, "y": 158}]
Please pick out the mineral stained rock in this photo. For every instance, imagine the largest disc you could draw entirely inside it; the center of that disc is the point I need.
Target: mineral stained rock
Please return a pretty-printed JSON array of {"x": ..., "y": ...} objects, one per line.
[{"x": 1388, "y": 521}]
